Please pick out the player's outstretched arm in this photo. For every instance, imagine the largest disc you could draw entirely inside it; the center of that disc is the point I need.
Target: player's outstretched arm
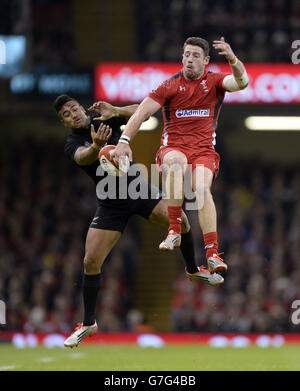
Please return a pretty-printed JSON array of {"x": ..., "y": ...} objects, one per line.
[
  {"x": 146, "y": 108},
  {"x": 88, "y": 155},
  {"x": 107, "y": 111},
  {"x": 239, "y": 78}
]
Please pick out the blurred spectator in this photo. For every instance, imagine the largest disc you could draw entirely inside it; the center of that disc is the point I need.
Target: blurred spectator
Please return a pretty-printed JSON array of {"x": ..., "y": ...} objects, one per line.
[
  {"x": 52, "y": 32},
  {"x": 136, "y": 322}
]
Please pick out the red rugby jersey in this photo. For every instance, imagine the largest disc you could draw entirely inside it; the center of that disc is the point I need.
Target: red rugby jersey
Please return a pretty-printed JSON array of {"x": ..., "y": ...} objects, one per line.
[{"x": 190, "y": 109}]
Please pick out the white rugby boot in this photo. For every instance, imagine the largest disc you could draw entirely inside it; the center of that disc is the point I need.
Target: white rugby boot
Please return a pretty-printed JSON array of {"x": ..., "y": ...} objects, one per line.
[
  {"x": 216, "y": 264},
  {"x": 172, "y": 241},
  {"x": 79, "y": 333},
  {"x": 204, "y": 275}
]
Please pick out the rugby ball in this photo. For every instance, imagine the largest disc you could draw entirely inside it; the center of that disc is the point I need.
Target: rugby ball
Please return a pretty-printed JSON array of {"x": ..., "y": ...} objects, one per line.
[
  {"x": 110, "y": 164},
  {"x": 107, "y": 162}
]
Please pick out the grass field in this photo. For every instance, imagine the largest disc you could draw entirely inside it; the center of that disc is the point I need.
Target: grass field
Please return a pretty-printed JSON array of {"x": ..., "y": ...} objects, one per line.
[{"x": 134, "y": 358}]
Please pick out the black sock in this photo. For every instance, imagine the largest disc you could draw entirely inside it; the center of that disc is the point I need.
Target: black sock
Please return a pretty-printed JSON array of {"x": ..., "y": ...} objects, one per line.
[
  {"x": 187, "y": 249},
  {"x": 91, "y": 285}
]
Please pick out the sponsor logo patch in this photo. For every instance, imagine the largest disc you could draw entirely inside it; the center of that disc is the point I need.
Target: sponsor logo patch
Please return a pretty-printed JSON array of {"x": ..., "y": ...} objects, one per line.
[{"x": 192, "y": 113}]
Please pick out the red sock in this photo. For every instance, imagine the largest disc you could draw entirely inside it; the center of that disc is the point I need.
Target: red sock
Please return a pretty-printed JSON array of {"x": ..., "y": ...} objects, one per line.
[
  {"x": 211, "y": 243},
  {"x": 174, "y": 213}
]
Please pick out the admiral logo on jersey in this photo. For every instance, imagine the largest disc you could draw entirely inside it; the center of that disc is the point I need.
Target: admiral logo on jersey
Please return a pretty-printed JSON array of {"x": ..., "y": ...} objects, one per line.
[{"x": 192, "y": 113}]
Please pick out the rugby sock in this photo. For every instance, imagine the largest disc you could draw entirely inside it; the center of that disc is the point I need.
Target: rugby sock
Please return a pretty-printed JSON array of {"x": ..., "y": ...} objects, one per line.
[
  {"x": 91, "y": 286},
  {"x": 187, "y": 250},
  {"x": 175, "y": 220},
  {"x": 211, "y": 243}
]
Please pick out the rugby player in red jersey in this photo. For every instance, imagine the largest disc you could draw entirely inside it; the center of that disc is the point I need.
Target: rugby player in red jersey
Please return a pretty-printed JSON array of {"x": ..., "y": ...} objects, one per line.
[{"x": 191, "y": 101}]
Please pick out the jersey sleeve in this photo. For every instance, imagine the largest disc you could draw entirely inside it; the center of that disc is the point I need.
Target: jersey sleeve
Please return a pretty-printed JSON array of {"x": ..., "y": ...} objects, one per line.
[
  {"x": 116, "y": 122},
  {"x": 163, "y": 92},
  {"x": 218, "y": 79},
  {"x": 113, "y": 122},
  {"x": 71, "y": 147}
]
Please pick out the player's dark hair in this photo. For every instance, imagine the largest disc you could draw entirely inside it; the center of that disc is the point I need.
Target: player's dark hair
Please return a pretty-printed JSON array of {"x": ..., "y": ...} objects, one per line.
[
  {"x": 197, "y": 41},
  {"x": 61, "y": 100}
]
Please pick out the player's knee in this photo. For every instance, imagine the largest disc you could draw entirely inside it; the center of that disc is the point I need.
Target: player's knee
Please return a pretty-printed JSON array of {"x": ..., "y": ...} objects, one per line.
[
  {"x": 207, "y": 191},
  {"x": 175, "y": 162},
  {"x": 91, "y": 264},
  {"x": 203, "y": 190},
  {"x": 203, "y": 194}
]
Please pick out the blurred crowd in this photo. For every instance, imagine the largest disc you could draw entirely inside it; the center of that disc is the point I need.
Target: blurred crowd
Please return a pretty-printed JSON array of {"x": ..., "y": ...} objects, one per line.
[
  {"x": 258, "y": 31},
  {"x": 46, "y": 206},
  {"x": 259, "y": 231},
  {"x": 53, "y": 35},
  {"x": 48, "y": 27}
]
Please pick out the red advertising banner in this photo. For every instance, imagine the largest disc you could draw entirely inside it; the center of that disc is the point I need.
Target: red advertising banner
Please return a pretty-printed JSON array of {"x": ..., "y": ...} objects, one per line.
[
  {"x": 130, "y": 82},
  {"x": 270, "y": 83}
]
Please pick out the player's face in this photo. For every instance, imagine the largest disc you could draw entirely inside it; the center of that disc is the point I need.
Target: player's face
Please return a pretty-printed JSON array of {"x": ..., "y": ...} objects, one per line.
[
  {"x": 73, "y": 115},
  {"x": 194, "y": 61}
]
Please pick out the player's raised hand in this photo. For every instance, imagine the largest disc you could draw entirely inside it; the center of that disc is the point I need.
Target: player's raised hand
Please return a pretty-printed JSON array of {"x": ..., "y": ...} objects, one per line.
[
  {"x": 101, "y": 136},
  {"x": 105, "y": 109},
  {"x": 224, "y": 49}
]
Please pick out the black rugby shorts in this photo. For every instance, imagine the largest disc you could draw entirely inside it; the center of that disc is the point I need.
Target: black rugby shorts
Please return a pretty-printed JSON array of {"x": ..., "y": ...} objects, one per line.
[{"x": 113, "y": 215}]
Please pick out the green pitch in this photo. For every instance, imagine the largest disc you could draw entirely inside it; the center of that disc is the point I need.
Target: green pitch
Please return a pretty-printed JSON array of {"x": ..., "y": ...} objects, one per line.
[{"x": 134, "y": 358}]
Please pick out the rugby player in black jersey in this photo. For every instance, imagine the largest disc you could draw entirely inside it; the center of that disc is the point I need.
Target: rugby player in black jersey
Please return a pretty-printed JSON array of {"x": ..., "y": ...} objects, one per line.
[{"x": 89, "y": 133}]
